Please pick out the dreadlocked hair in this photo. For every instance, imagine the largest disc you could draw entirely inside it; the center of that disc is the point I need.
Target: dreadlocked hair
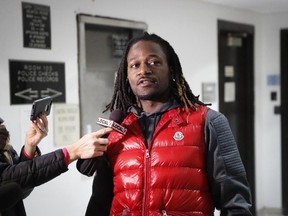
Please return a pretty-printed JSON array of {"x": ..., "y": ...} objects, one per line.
[{"x": 123, "y": 96}]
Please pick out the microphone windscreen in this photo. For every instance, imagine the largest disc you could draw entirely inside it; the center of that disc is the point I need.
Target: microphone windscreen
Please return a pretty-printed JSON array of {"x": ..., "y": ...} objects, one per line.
[{"x": 117, "y": 116}]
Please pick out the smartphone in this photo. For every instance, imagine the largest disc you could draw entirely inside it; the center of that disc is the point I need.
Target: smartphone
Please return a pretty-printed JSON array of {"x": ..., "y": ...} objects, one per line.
[{"x": 39, "y": 106}]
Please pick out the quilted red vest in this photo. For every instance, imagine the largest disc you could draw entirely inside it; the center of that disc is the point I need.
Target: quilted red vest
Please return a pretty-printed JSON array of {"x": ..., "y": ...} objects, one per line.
[{"x": 168, "y": 178}]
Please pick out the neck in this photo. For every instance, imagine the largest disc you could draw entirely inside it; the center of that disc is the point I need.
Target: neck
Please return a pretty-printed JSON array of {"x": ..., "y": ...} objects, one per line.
[{"x": 151, "y": 106}]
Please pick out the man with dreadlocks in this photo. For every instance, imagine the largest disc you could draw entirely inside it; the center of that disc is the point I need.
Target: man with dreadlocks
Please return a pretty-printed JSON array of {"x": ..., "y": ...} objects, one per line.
[{"x": 178, "y": 157}]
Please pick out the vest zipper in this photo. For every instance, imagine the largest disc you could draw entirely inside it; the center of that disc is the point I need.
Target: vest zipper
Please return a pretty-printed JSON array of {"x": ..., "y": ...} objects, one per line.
[
  {"x": 164, "y": 213},
  {"x": 147, "y": 153},
  {"x": 146, "y": 183}
]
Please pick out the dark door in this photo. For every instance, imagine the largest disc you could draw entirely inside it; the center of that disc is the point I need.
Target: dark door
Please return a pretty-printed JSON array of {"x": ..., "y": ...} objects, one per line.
[
  {"x": 284, "y": 118},
  {"x": 236, "y": 88}
]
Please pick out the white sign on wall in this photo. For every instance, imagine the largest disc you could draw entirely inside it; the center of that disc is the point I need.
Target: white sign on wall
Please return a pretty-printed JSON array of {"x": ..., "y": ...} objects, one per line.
[
  {"x": 66, "y": 124},
  {"x": 229, "y": 92}
]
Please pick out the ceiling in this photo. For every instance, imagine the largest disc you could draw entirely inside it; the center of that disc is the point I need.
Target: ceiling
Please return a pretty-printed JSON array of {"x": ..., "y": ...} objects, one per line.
[{"x": 259, "y": 6}]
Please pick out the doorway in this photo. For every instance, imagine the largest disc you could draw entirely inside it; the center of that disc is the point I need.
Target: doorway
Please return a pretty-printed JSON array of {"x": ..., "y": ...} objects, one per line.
[
  {"x": 284, "y": 118},
  {"x": 236, "y": 89},
  {"x": 101, "y": 44}
]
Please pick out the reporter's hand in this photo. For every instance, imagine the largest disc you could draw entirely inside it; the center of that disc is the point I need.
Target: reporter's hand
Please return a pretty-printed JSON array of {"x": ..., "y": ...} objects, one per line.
[
  {"x": 89, "y": 146},
  {"x": 36, "y": 132}
]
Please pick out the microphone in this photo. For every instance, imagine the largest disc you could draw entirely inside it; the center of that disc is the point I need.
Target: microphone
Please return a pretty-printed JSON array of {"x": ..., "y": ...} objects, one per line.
[
  {"x": 88, "y": 166},
  {"x": 10, "y": 195},
  {"x": 116, "y": 117}
]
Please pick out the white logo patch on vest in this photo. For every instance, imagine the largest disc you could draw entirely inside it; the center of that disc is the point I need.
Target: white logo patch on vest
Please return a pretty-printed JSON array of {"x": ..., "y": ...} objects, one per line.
[{"x": 178, "y": 136}]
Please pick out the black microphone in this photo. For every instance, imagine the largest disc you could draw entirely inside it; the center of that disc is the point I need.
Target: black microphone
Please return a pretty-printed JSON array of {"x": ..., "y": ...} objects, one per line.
[
  {"x": 88, "y": 166},
  {"x": 10, "y": 195},
  {"x": 115, "y": 118}
]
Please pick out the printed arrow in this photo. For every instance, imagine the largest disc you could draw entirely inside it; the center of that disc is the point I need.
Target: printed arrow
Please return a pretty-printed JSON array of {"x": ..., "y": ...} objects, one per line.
[
  {"x": 50, "y": 92},
  {"x": 27, "y": 94}
]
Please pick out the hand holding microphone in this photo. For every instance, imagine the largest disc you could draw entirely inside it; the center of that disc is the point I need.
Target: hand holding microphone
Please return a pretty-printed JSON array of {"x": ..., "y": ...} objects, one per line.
[
  {"x": 90, "y": 145},
  {"x": 88, "y": 166}
]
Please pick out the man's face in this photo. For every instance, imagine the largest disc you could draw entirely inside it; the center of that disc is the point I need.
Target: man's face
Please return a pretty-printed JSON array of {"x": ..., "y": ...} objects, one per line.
[{"x": 148, "y": 71}]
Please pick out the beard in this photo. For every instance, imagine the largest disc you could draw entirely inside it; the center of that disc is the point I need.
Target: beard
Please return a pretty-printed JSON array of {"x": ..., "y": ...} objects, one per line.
[
  {"x": 154, "y": 95},
  {"x": 151, "y": 96}
]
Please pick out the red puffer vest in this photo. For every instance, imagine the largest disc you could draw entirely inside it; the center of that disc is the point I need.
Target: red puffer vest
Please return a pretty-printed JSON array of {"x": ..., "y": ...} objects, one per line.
[{"x": 170, "y": 177}]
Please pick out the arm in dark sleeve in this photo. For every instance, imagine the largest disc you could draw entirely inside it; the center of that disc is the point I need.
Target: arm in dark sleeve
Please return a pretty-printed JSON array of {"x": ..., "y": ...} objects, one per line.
[
  {"x": 36, "y": 171},
  {"x": 102, "y": 189},
  {"x": 24, "y": 157},
  {"x": 226, "y": 173}
]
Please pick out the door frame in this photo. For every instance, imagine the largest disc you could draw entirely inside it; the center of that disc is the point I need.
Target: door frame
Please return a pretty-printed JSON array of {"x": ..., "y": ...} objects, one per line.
[
  {"x": 284, "y": 117},
  {"x": 239, "y": 28}
]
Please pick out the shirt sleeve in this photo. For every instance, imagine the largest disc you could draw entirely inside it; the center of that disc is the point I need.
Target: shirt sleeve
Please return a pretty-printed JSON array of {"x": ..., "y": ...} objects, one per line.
[
  {"x": 34, "y": 172},
  {"x": 66, "y": 156},
  {"x": 24, "y": 156},
  {"x": 226, "y": 173}
]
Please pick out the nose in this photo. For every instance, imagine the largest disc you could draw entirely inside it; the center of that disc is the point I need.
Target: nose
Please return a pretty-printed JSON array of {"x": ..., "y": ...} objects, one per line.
[{"x": 144, "y": 69}]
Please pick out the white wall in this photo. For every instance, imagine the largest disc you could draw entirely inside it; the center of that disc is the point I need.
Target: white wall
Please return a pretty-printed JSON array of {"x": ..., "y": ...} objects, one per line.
[
  {"x": 191, "y": 27},
  {"x": 268, "y": 131}
]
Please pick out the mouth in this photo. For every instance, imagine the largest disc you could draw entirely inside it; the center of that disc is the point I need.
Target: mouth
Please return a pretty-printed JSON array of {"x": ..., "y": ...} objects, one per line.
[{"x": 146, "y": 81}]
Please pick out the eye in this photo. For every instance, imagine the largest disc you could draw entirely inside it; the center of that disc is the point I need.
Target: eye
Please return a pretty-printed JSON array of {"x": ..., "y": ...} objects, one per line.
[
  {"x": 134, "y": 65},
  {"x": 154, "y": 62}
]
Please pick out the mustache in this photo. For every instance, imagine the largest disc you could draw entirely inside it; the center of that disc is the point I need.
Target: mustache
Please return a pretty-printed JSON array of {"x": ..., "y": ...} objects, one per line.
[{"x": 146, "y": 78}]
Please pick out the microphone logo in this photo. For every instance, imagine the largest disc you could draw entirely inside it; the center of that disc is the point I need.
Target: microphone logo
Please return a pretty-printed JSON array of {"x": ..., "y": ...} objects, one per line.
[{"x": 112, "y": 124}]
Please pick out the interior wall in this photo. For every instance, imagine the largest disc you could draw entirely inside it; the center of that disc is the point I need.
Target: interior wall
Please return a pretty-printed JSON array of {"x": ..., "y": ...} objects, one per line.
[
  {"x": 268, "y": 143},
  {"x": 191, "y": 28}
]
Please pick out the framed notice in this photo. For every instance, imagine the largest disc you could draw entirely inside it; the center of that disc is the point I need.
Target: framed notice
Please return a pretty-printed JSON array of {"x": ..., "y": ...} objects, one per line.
[{"x": 36, "y": 26}]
